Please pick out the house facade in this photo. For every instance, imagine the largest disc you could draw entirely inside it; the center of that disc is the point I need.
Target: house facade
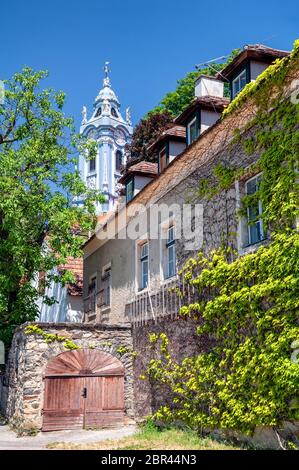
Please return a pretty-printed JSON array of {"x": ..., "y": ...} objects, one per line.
[
  {"x": 132, "y": 261},
  {"x": 148, "y": 240}
]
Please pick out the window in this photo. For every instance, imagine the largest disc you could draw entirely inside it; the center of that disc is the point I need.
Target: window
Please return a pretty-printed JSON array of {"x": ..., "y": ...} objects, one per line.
[
  {"x": 162, "y": 159},
  {"x": 254, "y": 211},
  {"x": 130, "y": 190},
  {"x": 144, "y": 265},
  {"x": 92, "y": 165},
  {"x": 92, "y": 284},
  {"x": 113, "y": 112},
  {"x": 118, "y": 160},
  {"x": 192, "y": 131},
  {"x": 105, "y": 293},
  {"x": 99, "y": 112},
  {"x": 171, "y": 258},
  {"x": 105, "y": 206},
  {"x": 238, "y": 83}
]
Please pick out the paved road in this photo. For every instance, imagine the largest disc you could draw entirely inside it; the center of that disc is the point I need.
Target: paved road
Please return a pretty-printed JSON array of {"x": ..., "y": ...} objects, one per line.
[{"x": 9, "y": 440}]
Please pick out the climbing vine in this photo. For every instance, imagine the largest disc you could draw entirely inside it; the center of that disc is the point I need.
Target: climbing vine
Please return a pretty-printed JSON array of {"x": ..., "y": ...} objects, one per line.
[
  {"x": 50, "y": 337},
  {"x": 247, "y": 307}
]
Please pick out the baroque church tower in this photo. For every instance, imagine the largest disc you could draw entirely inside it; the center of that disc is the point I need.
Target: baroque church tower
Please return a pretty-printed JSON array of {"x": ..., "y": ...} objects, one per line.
[{"x": 112, "y": 132}]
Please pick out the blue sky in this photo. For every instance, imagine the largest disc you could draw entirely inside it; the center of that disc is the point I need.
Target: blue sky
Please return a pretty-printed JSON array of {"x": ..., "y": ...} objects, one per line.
[{"x": 149, "y": 43}]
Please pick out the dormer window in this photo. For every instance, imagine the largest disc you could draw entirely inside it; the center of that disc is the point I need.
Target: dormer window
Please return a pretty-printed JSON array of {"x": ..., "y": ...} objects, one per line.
[
  {"x": 239, "y": 83},
  {"x": 114, "y": 112},
  {"x": 130, "y": 190},
  {"x": 192, "y": 131},
  {"x": 163, "y": 159}
]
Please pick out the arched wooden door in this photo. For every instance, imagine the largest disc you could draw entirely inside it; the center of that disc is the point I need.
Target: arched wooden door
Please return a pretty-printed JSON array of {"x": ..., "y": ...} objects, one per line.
[{"x": 84, "y": 388}]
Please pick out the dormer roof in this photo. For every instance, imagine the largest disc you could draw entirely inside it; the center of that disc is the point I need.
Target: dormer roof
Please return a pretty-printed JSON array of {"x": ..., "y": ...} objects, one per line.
[
  {"x": 142, "y": 169},
  {"x": 257, "y": 52},
  {"x": 176, "y": 133},
  {"x": 210, "y": 103}
]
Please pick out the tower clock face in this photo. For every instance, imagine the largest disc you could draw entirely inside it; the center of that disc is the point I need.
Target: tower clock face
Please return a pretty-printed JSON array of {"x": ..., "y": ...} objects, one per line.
[{"x": 120, "y": 137}]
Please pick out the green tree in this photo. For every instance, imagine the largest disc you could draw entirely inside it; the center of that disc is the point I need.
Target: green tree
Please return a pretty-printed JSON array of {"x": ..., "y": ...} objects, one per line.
[
  {"x": 146, "y": 131},
  {"x": 176, "y": 101},
  {"x": 39, "y": 225}
]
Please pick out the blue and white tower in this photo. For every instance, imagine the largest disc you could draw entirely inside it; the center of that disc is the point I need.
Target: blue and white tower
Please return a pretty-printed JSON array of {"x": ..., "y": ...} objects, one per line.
[{"x": 112, "y": 132}]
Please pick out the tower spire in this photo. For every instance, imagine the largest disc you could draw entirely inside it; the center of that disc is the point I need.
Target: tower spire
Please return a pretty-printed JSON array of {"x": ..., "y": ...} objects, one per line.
[{"x": 106, "y": 81}]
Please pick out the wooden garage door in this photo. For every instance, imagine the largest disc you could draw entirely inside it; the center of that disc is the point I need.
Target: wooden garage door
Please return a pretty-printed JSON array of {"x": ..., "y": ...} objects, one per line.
[{"x": 83, "y": 388}]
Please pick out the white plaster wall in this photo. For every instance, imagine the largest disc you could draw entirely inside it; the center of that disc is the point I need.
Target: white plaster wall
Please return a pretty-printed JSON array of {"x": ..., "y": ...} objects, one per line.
[
  {"x": 140, "y": 182},
  {"x": 66, "y": 309},
  {"x": 208, "y": 118},
  {"x": 256, "y": 68},
  {"x": 208, "y": 87},
  {"x": 175, "y": 148}
]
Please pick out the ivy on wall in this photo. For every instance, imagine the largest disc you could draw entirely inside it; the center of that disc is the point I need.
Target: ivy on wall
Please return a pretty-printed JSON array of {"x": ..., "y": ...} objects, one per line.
[{"x": 247, "y": 308}]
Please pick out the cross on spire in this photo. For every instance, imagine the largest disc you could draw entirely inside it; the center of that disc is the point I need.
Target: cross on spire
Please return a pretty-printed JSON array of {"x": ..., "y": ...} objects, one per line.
[{"x": 106, "y": 70}]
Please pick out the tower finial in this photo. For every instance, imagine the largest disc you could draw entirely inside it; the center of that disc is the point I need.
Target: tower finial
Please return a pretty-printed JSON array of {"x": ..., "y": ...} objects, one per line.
[{"x": 106, "y": 70}]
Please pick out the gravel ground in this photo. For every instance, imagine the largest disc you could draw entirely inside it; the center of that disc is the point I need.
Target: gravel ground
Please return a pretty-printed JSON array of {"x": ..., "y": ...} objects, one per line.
[{"x": 9, "y": 439}]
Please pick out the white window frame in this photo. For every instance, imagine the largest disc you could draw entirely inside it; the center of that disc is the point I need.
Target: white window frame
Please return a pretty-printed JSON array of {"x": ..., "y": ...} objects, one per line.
[
  {"x": 163, "y": 235},
  {"x": 138, "y": 267},
  {"x": 144, "y": 260},
  {"x": 170, "y": 245},
  {"x": 260, "y": 220},
  {"x": 104, "y": 270},
  {"x": 189, "y": 130},
  {"x": 243, "y": 235},
  {"x": 238, "y": 80}
]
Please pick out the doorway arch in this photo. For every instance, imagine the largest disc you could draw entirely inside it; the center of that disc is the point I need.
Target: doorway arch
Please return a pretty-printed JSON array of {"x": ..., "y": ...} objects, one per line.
[{"x": 84, "y": 388}]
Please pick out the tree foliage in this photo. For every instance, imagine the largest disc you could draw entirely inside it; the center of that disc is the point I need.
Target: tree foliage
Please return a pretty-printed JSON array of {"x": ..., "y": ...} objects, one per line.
[
  {"x": 39, "y": 225},
  {"x": 146, "y": 132},
  {"x": 175, "y": 102}
]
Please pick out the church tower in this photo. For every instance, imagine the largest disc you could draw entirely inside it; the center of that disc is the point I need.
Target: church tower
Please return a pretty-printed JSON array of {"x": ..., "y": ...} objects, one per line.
[{"x": 112, "y": 132}]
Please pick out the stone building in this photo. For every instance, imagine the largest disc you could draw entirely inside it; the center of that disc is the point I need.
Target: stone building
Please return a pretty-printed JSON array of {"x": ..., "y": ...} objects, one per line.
[
  {"x": 132, "y": 261},
  {"x": 144, "y": 250}
]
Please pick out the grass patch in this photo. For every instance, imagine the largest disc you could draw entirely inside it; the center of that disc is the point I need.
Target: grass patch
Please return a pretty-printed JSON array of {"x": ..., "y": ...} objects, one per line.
[{"x": 151, "y": 438}]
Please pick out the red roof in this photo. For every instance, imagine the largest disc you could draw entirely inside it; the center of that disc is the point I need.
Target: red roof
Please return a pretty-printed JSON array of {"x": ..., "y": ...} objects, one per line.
[
  {"x": 252, "y": 51},
  {"x": 142, "y": 168},
  {"x": 75, "y": 265},
  {"x": 174, "y": 133}
]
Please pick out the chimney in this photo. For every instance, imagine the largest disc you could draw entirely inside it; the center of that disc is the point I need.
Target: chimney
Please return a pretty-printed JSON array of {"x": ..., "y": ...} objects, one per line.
[{"x": 208, "y": 86}]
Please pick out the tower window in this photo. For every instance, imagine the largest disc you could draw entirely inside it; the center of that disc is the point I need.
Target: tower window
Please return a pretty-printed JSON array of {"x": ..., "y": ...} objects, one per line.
[
  {"x": 113, "y": 112},
  {"x": 99, "y": 112},
  {"x": 118, "y": 160},
  {"x": 92, "y": 165}
]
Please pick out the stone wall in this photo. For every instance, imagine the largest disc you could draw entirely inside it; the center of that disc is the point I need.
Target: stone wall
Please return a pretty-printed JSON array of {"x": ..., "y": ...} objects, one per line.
[
  {"x": 183, "y": 342},
  {"x": 30, "y": 354}
]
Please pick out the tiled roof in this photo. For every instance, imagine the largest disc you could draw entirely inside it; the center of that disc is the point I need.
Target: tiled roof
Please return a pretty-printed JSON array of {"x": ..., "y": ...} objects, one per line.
[
  {"x": 141, "y": 168},
  {"x": 75, "y": 265},
  {"x": 212, "y": 103},
  {"x": 254, "y": 51},
  {"x": 176, "y": 132}
]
